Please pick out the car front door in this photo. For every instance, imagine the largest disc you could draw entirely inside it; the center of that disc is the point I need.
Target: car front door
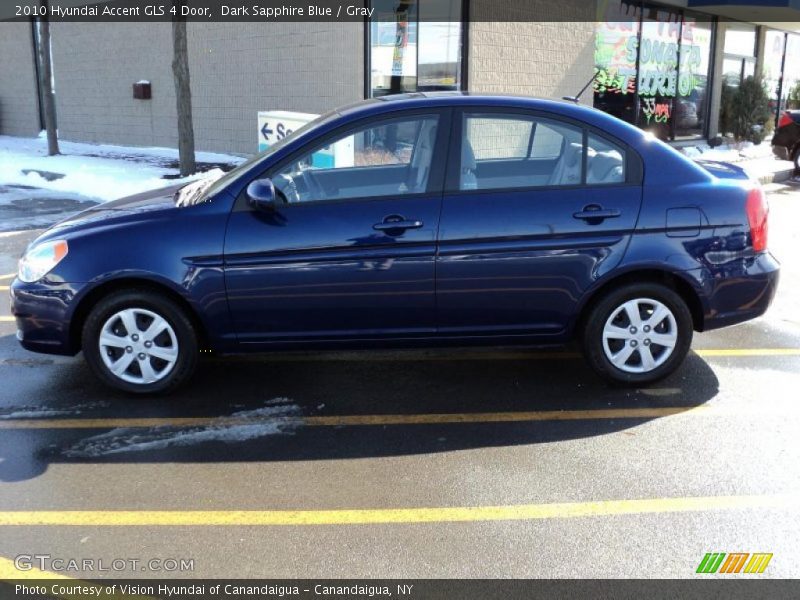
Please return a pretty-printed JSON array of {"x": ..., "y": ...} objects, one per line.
[
  {"x": 348, "y": 250},
  {"x": 535, "y": 210}
]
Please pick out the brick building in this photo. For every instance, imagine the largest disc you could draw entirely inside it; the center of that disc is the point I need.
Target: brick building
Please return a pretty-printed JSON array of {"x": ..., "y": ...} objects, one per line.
[{"x": 238, "y": 69}]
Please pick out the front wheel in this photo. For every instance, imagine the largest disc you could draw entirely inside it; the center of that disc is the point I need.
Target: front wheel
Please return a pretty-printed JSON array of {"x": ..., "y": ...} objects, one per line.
[
  {"x": 637, "y": 334},
  {"x": 140, "y": 341}
]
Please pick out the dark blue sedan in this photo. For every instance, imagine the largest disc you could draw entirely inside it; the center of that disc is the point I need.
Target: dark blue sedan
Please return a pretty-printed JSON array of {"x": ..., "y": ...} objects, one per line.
[{"x": 411, "y": 221}]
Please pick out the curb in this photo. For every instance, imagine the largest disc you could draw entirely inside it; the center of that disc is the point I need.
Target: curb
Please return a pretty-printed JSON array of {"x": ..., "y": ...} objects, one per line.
[{"x": 776, "y": 177}]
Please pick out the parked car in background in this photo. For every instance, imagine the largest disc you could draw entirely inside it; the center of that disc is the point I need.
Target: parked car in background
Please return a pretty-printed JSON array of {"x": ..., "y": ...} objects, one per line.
[
  {"x": 435, "y": 220},
  {"x": 786, "y": 141}
]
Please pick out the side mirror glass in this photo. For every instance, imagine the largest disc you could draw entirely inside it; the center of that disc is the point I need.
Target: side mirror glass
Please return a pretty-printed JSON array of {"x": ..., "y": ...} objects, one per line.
[{"x": 261, "y": 194}]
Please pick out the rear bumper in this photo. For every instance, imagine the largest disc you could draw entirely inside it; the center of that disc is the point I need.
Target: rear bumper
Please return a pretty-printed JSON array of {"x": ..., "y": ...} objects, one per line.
[
  {"x": 43, "y": 315},
  {"x": 743, "y": 292}
]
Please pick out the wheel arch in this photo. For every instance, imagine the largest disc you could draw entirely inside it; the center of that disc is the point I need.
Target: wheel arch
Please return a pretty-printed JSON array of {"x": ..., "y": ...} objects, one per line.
[
  {"x": 110, "y": 286},
  {"x": 678, "y": 283}
]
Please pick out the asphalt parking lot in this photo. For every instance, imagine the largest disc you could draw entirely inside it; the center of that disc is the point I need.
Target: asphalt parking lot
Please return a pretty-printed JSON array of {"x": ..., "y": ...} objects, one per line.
[{"x": 495, "y": 463}]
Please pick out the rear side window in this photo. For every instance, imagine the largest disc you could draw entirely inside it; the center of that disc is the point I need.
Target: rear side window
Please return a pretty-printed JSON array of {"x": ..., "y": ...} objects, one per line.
[
  {"x": 500, "y": 151},
  {"x": 498, "y": 138},
  {"x": 605, "y": 162},
  {"x": 518, "y": 151},
  {"x": 548, "y": 141}
]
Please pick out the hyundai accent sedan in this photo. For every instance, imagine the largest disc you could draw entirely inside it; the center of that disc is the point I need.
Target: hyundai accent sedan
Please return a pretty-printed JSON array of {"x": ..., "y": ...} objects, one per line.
[{"x": 411, "y": 221}]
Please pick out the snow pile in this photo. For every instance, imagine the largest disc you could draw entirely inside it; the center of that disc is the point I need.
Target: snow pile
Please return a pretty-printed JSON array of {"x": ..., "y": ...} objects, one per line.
[
  {"x": 278, "y": 416},
  {"x": 729, "y": 152},
  {"x": 100, "y": 172}
]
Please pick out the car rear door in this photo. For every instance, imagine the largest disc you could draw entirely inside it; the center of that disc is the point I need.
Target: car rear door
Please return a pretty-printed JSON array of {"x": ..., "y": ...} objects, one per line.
[{"x": 535, "y": 209}]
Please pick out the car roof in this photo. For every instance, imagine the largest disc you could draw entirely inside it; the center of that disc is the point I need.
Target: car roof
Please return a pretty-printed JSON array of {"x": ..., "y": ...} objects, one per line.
[{"x": 563, "y": 108}]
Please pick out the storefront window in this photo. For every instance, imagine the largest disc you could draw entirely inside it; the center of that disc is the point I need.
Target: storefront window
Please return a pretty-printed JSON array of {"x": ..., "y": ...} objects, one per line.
[
  {"x": 415, "y": 46},
  {"x": 653, "y": 68},
  {"x": 773, "y": 61},
  {"x": 739, "y": 61},
  {"x": 616, "y": 51},
  {"x": 658, "y": 71},
  {"x": 691, "y": 110},
  {"x": 790, "y": 91}
]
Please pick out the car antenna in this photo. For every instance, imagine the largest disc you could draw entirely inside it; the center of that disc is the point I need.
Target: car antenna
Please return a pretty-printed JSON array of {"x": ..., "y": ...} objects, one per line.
[{"x": 577, "y": 99}]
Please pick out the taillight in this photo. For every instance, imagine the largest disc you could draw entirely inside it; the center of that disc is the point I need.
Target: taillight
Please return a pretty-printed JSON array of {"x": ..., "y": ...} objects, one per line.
[
  {"x": 758, "y": 217},
  {"x": 785, "y": 120}
]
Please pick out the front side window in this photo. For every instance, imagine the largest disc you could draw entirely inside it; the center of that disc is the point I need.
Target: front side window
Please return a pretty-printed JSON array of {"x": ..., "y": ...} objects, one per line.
[
  {"x": 517, "y": 151},
  {"x": 391, "y": 158}
]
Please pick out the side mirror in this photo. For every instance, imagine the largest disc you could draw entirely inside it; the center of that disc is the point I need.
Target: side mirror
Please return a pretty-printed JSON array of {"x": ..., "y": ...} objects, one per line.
[{"x": 261, "y": 194}]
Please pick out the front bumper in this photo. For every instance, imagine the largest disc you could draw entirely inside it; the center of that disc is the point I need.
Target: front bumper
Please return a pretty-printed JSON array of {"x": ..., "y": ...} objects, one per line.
[
  {"x": 743, "y": 292},
  {"x": 43, "y": 313}
]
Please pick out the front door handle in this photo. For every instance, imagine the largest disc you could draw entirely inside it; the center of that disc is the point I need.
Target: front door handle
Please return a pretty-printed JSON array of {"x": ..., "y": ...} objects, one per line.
[
  {"x": 397, "y": 223},
  {"x": 596, "y": 213}
]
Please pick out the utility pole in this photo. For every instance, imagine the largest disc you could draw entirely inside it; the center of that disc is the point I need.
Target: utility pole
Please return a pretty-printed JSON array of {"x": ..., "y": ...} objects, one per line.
[
  {"x": 46, "y": 81},
  {"x": 183, "y": 96}
]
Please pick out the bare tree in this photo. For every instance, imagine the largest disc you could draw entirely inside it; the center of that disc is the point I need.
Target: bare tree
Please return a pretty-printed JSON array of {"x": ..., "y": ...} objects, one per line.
[
  {"x": 183, "y": 97},
  {"x": 46, "y": 81}
]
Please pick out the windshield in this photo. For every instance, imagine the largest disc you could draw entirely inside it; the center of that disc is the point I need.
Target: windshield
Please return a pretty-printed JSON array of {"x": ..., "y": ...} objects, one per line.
[{"x": 216, "y": 180}]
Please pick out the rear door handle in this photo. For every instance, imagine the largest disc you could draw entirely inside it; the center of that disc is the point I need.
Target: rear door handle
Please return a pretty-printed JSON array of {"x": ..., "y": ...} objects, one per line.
[
  {"x": 397, "y": 223},
  {"x": 595, "y": 212}
]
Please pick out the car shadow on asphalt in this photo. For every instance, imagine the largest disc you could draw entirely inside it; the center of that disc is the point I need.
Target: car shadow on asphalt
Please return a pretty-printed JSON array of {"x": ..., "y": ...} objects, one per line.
[{"x": 323, "y": 407}]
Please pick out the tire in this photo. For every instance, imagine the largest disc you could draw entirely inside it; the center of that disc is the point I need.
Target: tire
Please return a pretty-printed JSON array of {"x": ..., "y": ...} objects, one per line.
[
  {"x": 797, "y": 161},
  {"x": 170, "y": 354},
  {"x": 610, "y": 332}
]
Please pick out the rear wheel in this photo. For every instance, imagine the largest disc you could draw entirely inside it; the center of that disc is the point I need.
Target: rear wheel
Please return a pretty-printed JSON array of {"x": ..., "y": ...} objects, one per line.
[
  {"x": 140, "y": 341},
  {"x": 638, "y": 334}
]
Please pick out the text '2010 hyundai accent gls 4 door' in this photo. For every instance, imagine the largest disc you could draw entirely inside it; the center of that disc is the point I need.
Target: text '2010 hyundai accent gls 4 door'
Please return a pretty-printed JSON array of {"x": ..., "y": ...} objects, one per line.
[{"x": 411, "y": 221}]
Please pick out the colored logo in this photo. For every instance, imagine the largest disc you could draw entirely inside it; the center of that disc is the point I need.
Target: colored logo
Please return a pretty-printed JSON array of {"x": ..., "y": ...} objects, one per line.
[{"x": 735, "y": 562}]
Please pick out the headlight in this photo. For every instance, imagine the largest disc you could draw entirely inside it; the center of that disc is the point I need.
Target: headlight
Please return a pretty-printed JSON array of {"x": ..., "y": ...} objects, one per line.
[{"x": 41, "y": 259}]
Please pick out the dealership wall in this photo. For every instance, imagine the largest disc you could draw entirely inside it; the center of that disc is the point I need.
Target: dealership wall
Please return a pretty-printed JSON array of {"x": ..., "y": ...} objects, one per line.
[
  {"x": 19, "y": 104},
  {"x": 549, "y": 58},
  {"x": 236, "y": 70},
  {"x": 94, "y": 68}
]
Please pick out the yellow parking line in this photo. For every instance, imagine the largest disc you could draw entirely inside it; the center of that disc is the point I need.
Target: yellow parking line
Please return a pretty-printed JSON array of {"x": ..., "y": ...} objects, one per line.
[
  {"x": 378, "y": 516},
  {"x": 409, "y": 419},
  {"x": 405, "y": 356},
  {"x": 467, "y": 356},
  {"x": 5, "y": 319},
  {"x": 5, "y": 288},
  {"x": 7, "y": 276},
  {"x": 709, "y": 352},
  {"x": 353, "y": 420}
]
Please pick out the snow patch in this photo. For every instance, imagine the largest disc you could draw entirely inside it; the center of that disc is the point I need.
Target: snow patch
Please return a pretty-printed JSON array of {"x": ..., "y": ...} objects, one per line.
[
  {"x": 43, "y": 412},
  {"x": 730, "y": 153},
  {"x": 35, "y": 414},
  {"x": 281, "y": 417},
  {"x": 100, "y": 172}
]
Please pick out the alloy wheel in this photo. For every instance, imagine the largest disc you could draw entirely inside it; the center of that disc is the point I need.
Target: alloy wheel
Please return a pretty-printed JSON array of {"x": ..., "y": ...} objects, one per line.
[
  {"x": 138, "y": 346},
  {"x": 640, "y": 335}
]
